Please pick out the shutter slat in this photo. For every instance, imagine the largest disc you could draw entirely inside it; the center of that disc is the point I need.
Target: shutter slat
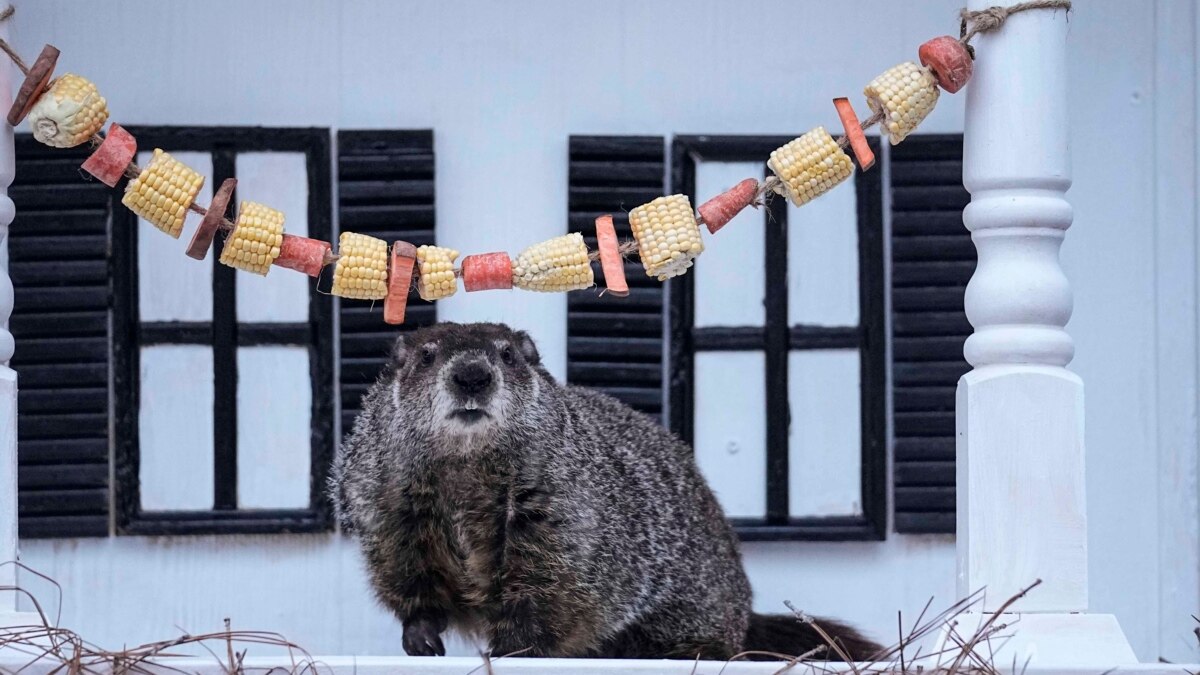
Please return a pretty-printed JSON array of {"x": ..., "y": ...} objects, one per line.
[
  {"x": 393, "y": 217},
  {"x": 930, "y": 323},
  {"x": 58, "y": 261},
  {"x": 923, "y": 273},
  {"x": 918, "y": 223},
  {"x": 616, "y": 172},
  {"x": 63, "y": 450},
  {"x": 61, "y": 220},
  {"x": 616, "y": 344},
  {"x": 927, "y": 348},
  {"x": 588, "y": 348},
  {"x": 59, "y": 476},
  {"x": 34, "y": 401},
  {"x": 921, "y": 448},
  {"x": 928, "y": 298},
  {"x": 925, "y": 473},
  {"x": 382, "y": 167},
  {"x": 918, "y": 399},
  {"x": 58, "y": 324},
  {"x": 614, "y": 373},
  {"x": 942, "y": 247},
  {"x": 933, "y": 258},
  {"x": 925, "y": 498},
  {"x": 386, "y": 190}
]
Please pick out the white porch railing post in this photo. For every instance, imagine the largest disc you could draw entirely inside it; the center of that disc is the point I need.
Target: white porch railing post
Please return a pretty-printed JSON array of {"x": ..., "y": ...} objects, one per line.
[
  {"x": 1021, "y": 497},
  {"x": 8, "y": 377}
]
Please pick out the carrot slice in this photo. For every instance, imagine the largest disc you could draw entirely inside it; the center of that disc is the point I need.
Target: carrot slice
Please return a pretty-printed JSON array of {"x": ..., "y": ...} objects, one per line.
[
  {"x": 949, "y": 60},
  {"x": 203, "y": 239},
  {"x": 487, "y": 271},
  {"x": 303, "y": 254},
  {"x": 610, "y": 257},
  {"x": 718, "y": 211},
  {"x": 404, "y": 256},
  {"x": 854, "y": 132},
  {"x": 34, "y": 84}
]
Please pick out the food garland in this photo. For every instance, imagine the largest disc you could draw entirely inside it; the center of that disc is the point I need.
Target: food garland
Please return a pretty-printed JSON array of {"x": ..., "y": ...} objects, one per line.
[{"x": 68, "y": 111}]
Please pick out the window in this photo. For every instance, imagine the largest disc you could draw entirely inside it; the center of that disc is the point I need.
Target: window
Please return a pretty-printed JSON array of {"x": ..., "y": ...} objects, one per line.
[
  {"x": 222, "y": 379},
  {"x": 777, "y": 352}
]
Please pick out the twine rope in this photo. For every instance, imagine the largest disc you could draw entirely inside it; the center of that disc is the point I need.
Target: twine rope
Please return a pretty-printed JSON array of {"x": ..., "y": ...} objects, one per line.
[
  {"x": 971, "y": 24},
  {"x": 987, "y": 20}
]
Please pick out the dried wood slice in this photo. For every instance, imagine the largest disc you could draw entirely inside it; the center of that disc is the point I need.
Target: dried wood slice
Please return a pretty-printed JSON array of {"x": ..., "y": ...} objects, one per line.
[
  {"x": 34, "y": 84},
  {"x": 203, "y": 239}
]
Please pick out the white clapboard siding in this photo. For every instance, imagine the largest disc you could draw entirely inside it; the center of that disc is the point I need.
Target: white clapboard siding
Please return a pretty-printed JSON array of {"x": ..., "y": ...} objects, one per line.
[
  {"x": 825, "y": 436},
  {"x": 172, "y": 287},
  {"x": 731, "y": 429},
  {"x": 175, "y": 427},
  {"x": 274, "y": 419},
  {"x": 729, "y": 278},
  {"x": 278, "y": 180},
  {"x": 823, "y": 260}
]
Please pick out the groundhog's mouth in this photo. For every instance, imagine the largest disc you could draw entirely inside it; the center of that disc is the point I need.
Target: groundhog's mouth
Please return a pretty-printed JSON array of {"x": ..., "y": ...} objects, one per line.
[{"x": 470, "y": 416}]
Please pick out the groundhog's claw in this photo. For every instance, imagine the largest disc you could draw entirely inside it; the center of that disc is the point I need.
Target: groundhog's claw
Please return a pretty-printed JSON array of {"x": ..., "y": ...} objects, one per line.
[{"x": 421, "y": 638}]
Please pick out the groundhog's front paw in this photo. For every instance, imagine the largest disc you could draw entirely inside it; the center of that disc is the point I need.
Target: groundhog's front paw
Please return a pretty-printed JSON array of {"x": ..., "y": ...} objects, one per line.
[{"x": 422, "y": 637}]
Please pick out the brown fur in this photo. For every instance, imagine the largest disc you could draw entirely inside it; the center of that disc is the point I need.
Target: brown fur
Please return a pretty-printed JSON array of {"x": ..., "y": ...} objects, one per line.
[{"x": 554, "y": 521}]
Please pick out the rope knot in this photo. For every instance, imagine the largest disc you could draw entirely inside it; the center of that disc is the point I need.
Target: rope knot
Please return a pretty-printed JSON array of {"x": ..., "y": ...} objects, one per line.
[{"x": 991, "y": 18}]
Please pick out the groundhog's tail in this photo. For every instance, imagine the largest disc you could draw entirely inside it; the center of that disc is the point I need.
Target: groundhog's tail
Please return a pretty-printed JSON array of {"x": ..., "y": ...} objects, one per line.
[{"x": 784, "y": 634}]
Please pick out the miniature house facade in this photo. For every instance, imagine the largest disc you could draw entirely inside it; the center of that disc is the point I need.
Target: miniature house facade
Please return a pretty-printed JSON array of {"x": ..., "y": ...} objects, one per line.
[{"x": 175, "y": 420}]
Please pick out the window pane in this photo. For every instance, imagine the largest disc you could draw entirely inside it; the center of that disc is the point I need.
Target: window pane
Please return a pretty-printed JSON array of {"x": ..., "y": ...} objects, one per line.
[
  {"x": 274, "y": 427},
  {"x": 172, "y": 286},
  {"x": 825, "y": 439},
  {"x": 730, "y": 278},
  {"x": 175, "y": 427},
  {"x": 823, "y": 260},
  {"x": 731, "y": 429},
  {"x": 278, "y": 180}
]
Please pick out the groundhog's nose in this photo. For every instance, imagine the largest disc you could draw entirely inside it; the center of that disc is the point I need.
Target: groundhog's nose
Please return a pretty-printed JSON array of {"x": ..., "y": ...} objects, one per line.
[{"x": 472, "y": 378}]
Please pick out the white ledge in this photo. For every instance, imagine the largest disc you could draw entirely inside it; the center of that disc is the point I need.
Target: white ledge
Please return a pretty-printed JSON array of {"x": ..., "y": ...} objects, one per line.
[{"x": 462, "y": 665}]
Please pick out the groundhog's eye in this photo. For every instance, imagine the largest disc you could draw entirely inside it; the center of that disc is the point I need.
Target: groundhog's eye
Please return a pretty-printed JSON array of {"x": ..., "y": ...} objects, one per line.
[
  {"x": 428, "y": 354},
  {"x": 506, "y": 355}
]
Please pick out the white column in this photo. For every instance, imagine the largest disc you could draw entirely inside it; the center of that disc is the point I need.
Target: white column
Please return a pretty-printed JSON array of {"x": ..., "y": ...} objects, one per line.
[
  {"x": 1022, "y": 511},
  {"x": 8, "y": 378}
]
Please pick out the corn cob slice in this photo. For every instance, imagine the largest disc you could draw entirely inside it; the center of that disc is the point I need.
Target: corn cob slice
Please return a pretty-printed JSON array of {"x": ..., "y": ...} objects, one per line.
[
  {"x": 254, "y": 243},
  {"x": 163, "y": 191},
  {"x": 361, "y": 269},
  {"x": 810, "y": 166},
  {"x": 437, "y": 272},
  {"x": 667, "y": 234},
  {"x": 69, "y": 113},
  {"x": 554, "y": 265},
  {"x": 904, "y": 94}
]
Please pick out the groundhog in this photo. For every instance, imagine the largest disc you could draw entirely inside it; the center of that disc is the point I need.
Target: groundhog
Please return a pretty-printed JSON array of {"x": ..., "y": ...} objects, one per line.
[{"x": 550, "y": 520}]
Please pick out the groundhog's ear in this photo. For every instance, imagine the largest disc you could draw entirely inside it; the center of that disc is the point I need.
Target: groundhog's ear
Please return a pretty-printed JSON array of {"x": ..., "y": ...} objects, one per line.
[
  {"x": 400, "y": 351},
  {"x": 528, "y": 349}
]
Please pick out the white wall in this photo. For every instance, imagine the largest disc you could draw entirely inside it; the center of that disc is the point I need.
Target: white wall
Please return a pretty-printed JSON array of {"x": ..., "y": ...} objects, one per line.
[{"x": 503, "y": 85}]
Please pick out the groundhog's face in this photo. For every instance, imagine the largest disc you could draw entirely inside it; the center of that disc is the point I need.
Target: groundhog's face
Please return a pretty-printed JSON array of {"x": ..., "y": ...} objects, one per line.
[{"x": 464, "y": 380}]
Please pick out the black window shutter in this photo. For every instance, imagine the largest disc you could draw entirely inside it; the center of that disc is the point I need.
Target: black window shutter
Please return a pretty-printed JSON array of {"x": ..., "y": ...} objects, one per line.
[
  {"x": 58, "y": 260},
  {"x": 616, "y": 344},
  {"x": 385, "y": 190},
  {"x": 932, "y": 261}
]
